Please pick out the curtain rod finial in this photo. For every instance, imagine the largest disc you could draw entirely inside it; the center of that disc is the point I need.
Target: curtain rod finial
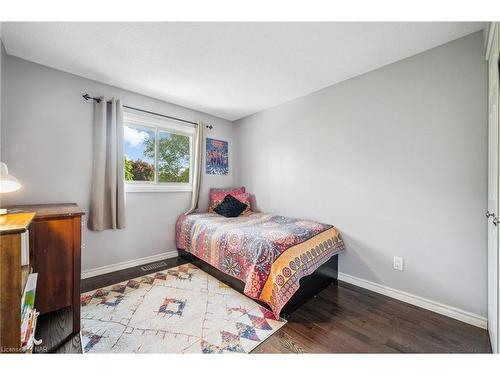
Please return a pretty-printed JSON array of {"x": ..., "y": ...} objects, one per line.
[{"x": 88, "y": 97}]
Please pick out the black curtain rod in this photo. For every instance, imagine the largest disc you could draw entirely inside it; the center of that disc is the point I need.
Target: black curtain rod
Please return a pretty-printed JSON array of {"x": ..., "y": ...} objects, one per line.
[{"x": 98, "y": 100}]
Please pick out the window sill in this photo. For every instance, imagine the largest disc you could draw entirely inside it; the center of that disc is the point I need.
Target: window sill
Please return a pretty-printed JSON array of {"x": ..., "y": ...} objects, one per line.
[{"x": 156, "y": 188}]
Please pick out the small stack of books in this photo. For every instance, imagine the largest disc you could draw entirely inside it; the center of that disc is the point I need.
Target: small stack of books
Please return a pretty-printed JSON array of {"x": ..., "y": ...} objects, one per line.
[{"x": 29, "y": 314}]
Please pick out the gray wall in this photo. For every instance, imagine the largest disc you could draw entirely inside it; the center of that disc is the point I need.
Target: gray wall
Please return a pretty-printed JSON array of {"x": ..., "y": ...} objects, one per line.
[
  {"x": 48, "y": 131},
  {"x": 397, "y": 160}
]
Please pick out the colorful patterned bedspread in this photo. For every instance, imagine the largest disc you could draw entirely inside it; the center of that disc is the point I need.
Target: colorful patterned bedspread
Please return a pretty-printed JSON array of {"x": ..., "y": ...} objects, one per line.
[{"x": 269, "y": 253}]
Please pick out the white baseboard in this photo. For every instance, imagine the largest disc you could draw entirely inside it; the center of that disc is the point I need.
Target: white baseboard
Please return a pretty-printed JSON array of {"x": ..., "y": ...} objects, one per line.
[
  {"x": 127, "y": 264},
  {"x": 452, "y": 312}
]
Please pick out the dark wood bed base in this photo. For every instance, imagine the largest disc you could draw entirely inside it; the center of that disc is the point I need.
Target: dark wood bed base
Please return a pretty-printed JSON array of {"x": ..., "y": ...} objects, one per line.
[{"x": 309, "y": 285}]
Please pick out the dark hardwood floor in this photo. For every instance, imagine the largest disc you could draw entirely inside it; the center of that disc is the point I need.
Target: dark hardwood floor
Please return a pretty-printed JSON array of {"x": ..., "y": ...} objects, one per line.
[
  {"x": 55, "y": 330},
  {"x": 349, "y": 319},
  {"x": 343, "y": 318}
]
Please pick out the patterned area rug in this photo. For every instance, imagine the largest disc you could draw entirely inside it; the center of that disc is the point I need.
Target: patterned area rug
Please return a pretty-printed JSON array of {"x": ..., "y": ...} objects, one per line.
[{"x": 179, "y": 310}]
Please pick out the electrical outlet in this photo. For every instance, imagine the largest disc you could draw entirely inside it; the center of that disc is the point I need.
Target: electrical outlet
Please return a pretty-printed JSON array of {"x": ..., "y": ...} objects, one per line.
[{"x": 398, "y": 263}]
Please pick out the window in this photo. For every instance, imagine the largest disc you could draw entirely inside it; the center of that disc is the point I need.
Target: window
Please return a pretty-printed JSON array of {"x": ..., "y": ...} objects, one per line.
[{"x": 158, "y": 154}]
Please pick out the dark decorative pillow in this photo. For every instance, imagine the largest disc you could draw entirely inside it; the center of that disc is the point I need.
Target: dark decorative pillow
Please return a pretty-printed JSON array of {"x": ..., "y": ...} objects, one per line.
[
  {"x": 230, "y": 207},
  {"x": 217, "y": 195}
]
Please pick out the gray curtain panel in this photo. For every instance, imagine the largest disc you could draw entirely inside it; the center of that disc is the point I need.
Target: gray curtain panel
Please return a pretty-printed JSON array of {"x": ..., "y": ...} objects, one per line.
[
  {"x": 198, "y": 167},
  {"x": 107, "y": 200}
]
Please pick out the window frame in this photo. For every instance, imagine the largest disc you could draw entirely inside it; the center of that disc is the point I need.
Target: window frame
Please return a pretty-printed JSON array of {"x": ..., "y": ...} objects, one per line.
[{"x": 159, "y": 124}]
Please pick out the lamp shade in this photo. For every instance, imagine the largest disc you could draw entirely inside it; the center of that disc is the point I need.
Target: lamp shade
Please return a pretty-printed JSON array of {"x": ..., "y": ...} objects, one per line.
[{"x": 8, "y": 182}]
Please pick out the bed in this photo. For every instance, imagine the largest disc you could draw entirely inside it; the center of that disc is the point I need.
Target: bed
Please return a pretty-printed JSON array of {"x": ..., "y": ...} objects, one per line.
[{"x": 278, "y": 261}]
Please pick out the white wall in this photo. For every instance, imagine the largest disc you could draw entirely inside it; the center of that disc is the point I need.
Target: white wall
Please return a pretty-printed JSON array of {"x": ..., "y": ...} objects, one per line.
[
  {"x": 2, "y": 80},
  {"x": 396, "y": 159},
  {"x": 48, "y": 133}
]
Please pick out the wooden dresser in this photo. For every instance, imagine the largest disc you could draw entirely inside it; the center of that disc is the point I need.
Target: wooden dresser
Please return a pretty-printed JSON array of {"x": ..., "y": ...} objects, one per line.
[
  {"x": 13, "y": 277},
  {"x": 57, "y": 257}
]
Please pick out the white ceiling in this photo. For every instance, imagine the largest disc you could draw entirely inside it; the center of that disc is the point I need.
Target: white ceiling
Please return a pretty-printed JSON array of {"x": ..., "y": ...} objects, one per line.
[{"x": 229, "y": 70}]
